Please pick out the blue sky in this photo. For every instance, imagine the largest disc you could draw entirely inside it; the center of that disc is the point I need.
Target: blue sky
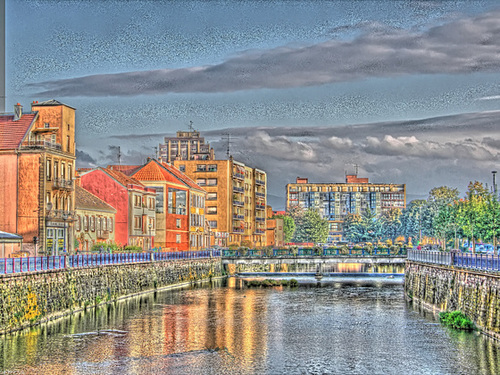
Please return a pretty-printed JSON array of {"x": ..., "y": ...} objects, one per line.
[{"x": 407, "y": 90}]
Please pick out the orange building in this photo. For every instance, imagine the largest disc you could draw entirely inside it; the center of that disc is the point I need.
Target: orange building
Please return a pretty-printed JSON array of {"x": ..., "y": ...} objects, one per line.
[
  {"x": 180, "y": 206},
  {"x": 37, "y": 163},
  {"x": 236, "y": 199}
]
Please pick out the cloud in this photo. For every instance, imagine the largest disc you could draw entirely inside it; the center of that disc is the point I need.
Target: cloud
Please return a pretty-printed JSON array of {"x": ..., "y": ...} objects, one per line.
[{"x": 461, "y": 46}]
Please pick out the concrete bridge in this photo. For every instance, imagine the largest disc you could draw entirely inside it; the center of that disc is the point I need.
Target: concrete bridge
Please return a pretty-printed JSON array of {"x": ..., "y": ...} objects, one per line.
[{"x": 311, "y": 259}]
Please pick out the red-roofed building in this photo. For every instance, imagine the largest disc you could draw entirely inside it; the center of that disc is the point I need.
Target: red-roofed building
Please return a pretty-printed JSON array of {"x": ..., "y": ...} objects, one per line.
[
  {"x": 135, "y": 204},
  {"x": 37, "y": 159},
  {"x": 180, "y": 207}
]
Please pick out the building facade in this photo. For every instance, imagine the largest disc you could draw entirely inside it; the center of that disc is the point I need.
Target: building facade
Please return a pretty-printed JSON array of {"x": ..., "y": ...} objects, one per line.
[
  {"x": 186, "y": 146},
  {"x": 94, "y": 220},
  {"x": 336, "y": 200},
  {"x": 180, "y": 207},
  {"x": 135, "y": 204},
  {"x": 37, "y": 166},
  {"x": 235, "y": 206}
]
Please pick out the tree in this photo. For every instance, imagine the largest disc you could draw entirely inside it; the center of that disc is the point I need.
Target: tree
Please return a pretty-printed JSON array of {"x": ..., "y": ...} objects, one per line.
[
  {"x": 391, "y": 223},
  {"x": 310, "y": 227},
  {"x": 288, "y": 226},
  {"x": 362, "y": 228}
]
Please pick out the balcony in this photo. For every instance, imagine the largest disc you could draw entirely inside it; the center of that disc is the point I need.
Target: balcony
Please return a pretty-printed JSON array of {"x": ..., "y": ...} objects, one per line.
[
  {"x": 260, "y": 219},
  {"x": 61, "y": 215},
  {"x": 238, "y": 217},
  {"x": 238, "y": 189},
  {"x": 238, "y": 203},
  {"x": 260, "y": 231},
  {"x": 43, "y": 144},
  {"x": 237, "y": 230},
  {"x": 239, "y": 176},
  {"x": 260, "y": 195},
  {"x": 260, "y": 182},
  {"x": 260, "y": 206},
  {"x": 60, "y": 183}
]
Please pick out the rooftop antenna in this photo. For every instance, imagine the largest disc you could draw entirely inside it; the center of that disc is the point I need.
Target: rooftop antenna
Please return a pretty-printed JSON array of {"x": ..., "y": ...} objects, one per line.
[
  {"x": 190, "y": 126},
  {"x": 156, "y": 152},
  {"x": 495, "y": 188},
  {"x": 119, "y": 156},
  {"x": 228, "y": 144},
  {"x": 2, "y": 56},
  {"x": 356, "y": 169}
]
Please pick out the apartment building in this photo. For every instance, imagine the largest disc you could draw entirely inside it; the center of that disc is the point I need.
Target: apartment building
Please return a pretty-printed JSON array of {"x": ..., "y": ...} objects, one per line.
[
  {"x": 135, "y": 204},
  {"x": 180, "y": 207},
  {"x": 335, "y": 200},
  {"x": 235, "y": 201},
  {"x": 37, "y": 164},
  {"x": 185, "y": 146}
]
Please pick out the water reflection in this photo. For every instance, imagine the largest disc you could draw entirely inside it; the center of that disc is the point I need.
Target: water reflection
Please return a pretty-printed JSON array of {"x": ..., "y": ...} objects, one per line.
[{"x": 343, "y": 325}]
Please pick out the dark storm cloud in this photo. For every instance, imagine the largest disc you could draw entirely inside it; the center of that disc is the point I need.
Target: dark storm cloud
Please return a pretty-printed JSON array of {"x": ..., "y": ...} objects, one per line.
[{"x": 462, "y": 46}]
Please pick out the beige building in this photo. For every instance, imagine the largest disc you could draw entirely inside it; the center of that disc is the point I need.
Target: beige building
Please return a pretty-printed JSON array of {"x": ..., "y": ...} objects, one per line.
[
  {"x": 235, "y": 206},
  {"x": 186, "y": 146},
  {"x": 95, "y": 220},
  {"x": 336, "y": 200}
]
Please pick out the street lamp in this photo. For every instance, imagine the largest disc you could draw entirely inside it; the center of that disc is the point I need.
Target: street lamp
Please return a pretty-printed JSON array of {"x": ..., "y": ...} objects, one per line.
[{"x": 150, "y": 226}]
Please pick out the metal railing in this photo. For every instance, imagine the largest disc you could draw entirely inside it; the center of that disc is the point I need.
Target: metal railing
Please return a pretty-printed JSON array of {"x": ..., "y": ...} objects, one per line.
[
  {"x": 38, "y": 264},
  {"x": 434, "y": 257},
  {"x": 484, "y": 262},
  {"x": 312, "y": 252}
]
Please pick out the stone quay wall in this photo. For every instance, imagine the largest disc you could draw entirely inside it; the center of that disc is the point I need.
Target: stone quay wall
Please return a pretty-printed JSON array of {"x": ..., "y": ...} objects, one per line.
[
  {"x": 446, "y": 288},
  {"x": 31, "y": 298}
]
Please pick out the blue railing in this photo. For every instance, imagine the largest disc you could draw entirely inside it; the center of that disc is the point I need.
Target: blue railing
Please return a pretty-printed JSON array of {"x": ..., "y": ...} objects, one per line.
[
  {"x": 311, "y": 252},
  {"x": 484, "y": 262},
  {"x": 37, "y": 264}
]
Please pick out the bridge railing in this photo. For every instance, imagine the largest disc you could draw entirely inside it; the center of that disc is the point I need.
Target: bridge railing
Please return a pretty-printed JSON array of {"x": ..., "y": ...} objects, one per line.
[
  {"x": 329, "y": 252},
  {"x": 38, "y": 264},
  {"x": 485, "y": 262}
]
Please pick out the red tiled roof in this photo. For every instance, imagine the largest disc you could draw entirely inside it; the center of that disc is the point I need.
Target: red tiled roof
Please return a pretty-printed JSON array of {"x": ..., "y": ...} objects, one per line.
[
  {"x": 156, "y": 171},
  {"x": 122, "y": 178},
  {"x": 182, "y": 176},
  {"x": 86, "y": 200},
  {"x": 129, "y": 170},
  {"x": 13, "y": 132}
]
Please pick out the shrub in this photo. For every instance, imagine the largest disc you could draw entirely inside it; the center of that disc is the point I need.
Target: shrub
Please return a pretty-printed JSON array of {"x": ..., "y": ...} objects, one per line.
[
  {"x": 132, "y": 248},
  {"x": 294, "y": 283},
  {"x": 317, "y": 250},
  {"x": 457, "y": 320},
  {"x": 268, "y": 250},
  {"x": 243, "y": 250},
  {"x": 294, "y": 250}
]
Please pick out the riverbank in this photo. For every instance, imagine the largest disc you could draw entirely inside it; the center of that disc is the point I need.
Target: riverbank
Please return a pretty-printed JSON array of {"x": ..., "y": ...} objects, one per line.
[{"x": 34, "y": 298}]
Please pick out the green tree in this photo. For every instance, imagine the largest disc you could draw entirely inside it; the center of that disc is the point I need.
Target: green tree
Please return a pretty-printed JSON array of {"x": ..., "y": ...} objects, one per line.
[
  {"x": 390, "y": 223},
  {"x": 311, "y": 227},
  {"x": 362, "y": 228},
  {"x": 288, "y": 226}
]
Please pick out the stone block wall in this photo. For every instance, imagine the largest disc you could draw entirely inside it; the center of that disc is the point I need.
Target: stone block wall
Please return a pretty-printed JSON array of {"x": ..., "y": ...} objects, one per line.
[
  {"x": 475, "y": 293},
  {"x": 28, "y": 299}
]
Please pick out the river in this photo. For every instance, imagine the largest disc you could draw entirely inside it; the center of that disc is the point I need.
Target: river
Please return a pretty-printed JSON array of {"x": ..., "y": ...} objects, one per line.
[{"x": 342, "y": 325}]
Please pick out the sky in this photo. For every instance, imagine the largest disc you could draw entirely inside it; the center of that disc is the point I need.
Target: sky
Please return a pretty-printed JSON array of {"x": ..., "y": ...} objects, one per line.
[{"x": 403, "y": 91}]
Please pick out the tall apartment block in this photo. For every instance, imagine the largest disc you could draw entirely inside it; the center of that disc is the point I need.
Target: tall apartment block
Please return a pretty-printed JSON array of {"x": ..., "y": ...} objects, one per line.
[
  {"x": 235, "y": 202},
  {"x": 37, "y": 169},
  {"x": 335, "y": 200},
  {"x": 186, "y": 146}
]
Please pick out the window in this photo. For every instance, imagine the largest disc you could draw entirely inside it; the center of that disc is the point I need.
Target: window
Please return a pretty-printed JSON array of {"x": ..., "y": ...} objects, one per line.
[
  {"x": 212, "y": 182},
  {"x": 211, "y": 196},
  {"x": 92, "y": 223},
  {"x": 48, "y": 197},
  {"x": 49, "y": 170},
  {"x": 137, "y": 222},
  {"x": 178, "y": 223},
  {"x": 177, "y": 201},
  {"x": 70, "y": 172},
  {"x": 78, "y": 223},
  {"x": 212, "y": 210},
  {"x": 212, "y": 223},
  {"x": 178, "y": 238},
  {"x": 104, "y": 224},
  {"x": 137, "y": 201},
  {"x": 201, "y": 168},
  {"x": 46, "y": 125},
  {"x": 68, "y": 143},
  {"x": 56, "y": 169},
  {"x": 85, "y": 223},
  {"x": 182, "y": 168},
  {"x": 63, "y": 171},
  {"x": 201, "y": 181},
  {"x": 212, "y": 168},
  {"x": 110, "y": 224}
]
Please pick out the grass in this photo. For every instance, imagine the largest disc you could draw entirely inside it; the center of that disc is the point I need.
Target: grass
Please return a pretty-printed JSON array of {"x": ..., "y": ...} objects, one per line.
[{"x": 457, "y": 320}]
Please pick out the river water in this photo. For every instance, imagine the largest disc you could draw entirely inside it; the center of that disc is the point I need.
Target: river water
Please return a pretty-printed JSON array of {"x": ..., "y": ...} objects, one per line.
[{"x": 342, "y": 325}]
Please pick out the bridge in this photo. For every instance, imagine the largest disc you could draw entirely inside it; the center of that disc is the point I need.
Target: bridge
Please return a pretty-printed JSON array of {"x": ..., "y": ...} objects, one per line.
[{"x": 310, "y": 260}]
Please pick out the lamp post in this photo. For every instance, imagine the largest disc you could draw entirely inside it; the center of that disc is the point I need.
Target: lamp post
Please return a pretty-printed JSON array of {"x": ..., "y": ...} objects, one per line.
[{"x": 150, "y": 226}]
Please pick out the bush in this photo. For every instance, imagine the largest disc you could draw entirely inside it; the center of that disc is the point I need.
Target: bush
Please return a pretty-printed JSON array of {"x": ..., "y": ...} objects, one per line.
[
  {"x": 457, "y": 320},
  {"x": 132, "y": 248},
  {"x": 243, "y": 251},
  {"x": 317, "y": 250},
  {"x": 268, "y": 250},
  {"x": 294, "y": 250},
  {"x": 294, "y": 283}
]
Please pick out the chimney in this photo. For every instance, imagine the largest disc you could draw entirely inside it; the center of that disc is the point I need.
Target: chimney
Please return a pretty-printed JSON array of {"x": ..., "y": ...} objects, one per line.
[{"x": 18, "y": 111}]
